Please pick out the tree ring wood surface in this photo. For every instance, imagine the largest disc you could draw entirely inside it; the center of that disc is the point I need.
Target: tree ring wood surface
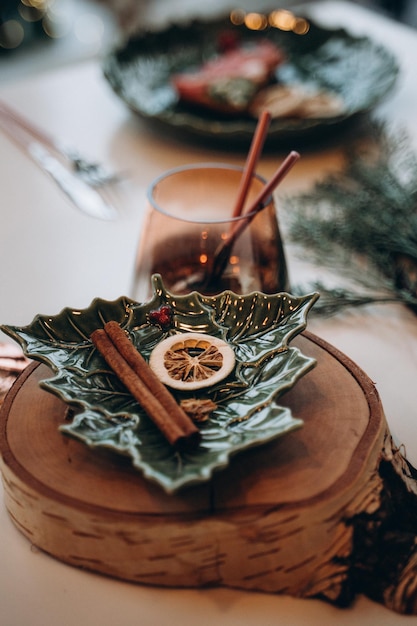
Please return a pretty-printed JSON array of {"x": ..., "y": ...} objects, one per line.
[{"x": 277, "y": 519}]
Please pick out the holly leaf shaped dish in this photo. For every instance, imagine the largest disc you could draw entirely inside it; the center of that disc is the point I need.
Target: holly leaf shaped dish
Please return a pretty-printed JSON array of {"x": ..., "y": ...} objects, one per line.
[{"x": 259, "y": 329}]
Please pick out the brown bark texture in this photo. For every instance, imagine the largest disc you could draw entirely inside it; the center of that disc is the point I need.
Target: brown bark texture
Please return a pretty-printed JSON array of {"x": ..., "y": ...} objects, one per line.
[{"x": 328, "y": 511}]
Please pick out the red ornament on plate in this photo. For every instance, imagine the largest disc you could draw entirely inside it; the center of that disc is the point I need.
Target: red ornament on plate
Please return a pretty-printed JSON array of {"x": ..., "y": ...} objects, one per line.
[{"x": 161, "y": 317}]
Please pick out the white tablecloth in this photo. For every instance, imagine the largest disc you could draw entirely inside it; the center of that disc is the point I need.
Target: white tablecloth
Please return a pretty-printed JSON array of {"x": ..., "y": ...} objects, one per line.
[{"x": 53, "y": 256}]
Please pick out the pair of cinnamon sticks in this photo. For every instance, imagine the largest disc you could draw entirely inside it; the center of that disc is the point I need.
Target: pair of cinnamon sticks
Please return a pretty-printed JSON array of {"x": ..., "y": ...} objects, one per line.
[
  {"x": 155, "y": 399},
  {"x": 252, "y": 159},
  {"x": 223, "y": 252}
]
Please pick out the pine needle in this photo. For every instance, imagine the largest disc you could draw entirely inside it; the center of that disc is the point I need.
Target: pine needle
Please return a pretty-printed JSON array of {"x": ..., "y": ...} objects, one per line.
[{"x": 362, "y": 223}]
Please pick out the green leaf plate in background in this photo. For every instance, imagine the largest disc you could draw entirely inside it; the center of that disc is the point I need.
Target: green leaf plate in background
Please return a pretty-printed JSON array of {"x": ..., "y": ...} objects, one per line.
[
  {"x": 258, "y": 327},
  {"x": 360, "y": 71}
]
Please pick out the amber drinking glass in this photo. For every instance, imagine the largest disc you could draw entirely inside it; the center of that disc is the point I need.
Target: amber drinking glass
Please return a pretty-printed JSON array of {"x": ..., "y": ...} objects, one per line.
[{"x": 189, "y": 216}]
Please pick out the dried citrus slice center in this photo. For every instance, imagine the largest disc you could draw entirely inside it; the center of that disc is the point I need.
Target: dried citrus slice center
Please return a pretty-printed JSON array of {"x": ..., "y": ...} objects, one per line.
[{"x": 192, "y": 361}]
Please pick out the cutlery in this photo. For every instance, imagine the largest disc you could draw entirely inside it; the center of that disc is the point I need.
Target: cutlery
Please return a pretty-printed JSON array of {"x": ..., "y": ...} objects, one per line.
[
  {"x": 86, "y": 198},
  {"x": 85, "y": 185}
]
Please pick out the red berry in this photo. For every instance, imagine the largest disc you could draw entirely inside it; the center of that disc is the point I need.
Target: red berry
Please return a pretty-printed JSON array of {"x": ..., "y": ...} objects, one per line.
[{"x": 161, "y": 317}]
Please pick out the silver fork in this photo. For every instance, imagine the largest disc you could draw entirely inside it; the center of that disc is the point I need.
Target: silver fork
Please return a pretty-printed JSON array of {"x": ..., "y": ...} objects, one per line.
[{"x": 85, "y": 183}]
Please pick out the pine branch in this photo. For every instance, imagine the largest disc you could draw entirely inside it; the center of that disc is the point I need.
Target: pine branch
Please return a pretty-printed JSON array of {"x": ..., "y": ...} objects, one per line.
[
  {"x": 363, "y": 223},
  {"x": 333, "y": 300}
]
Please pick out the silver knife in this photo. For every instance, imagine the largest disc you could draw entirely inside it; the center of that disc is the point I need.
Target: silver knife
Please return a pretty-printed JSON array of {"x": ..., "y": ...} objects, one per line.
[{"x": 84, "y": 197}]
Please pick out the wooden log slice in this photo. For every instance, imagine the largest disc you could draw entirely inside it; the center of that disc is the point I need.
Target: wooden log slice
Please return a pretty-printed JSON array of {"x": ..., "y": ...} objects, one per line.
[{"x": 310, "y": 514}]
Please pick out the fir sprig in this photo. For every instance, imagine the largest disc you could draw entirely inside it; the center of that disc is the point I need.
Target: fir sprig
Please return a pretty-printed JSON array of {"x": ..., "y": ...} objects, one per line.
[
  {"x": 333, "y": 299},
  {"x": 363, "y": 223}
]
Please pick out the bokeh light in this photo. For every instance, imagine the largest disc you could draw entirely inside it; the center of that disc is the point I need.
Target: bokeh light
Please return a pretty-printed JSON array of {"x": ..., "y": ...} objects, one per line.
[
  {"x": 11, "y": 34},
  {"x": 280, "y": 18},
  {"x": 41, "y": 5},
  {"x": 237, "y": 17},
  {"x": 30, "y": 13},
  {"x": 52, "y": 19},
  {"x": 301, "y": 26},
  {"x": 256, "y": 21}
]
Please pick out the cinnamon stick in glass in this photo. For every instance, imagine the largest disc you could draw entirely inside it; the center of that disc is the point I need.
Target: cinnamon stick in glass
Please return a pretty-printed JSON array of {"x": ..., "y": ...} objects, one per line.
[
  {"x": 222, "y": 254},
  {"x": 251, "y": 161}
]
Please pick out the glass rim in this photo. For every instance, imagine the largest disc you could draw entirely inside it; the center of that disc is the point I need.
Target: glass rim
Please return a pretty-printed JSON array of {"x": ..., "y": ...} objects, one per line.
[{"x": 196, "y": 166}]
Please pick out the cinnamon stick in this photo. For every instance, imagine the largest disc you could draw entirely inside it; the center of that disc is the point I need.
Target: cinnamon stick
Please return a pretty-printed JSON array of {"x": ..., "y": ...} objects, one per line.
[
  {"x": 155, "y": 399},
  {"x": 222, "y": 254},
  {"x": 251, "y": 161},
  {"x": 257, "y": 205}
]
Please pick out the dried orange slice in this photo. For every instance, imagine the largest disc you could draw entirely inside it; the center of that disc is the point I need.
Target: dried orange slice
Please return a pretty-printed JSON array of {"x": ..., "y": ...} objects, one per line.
[{"x": 192, "y": 361}]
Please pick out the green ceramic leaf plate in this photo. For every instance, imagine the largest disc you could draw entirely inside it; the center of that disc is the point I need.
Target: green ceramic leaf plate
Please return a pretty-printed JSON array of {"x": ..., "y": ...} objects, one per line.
[
  {"x": 357, "y": 69},
  {"x": 258, "y": 327}
]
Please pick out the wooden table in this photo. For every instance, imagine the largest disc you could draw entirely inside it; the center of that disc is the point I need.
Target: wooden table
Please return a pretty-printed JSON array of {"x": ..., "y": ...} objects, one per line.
[{"x": 52, "y": 256}]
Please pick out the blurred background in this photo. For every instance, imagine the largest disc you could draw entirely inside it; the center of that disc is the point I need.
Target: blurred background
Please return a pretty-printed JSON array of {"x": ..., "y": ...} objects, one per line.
[{"x": 37, "y": 35}]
